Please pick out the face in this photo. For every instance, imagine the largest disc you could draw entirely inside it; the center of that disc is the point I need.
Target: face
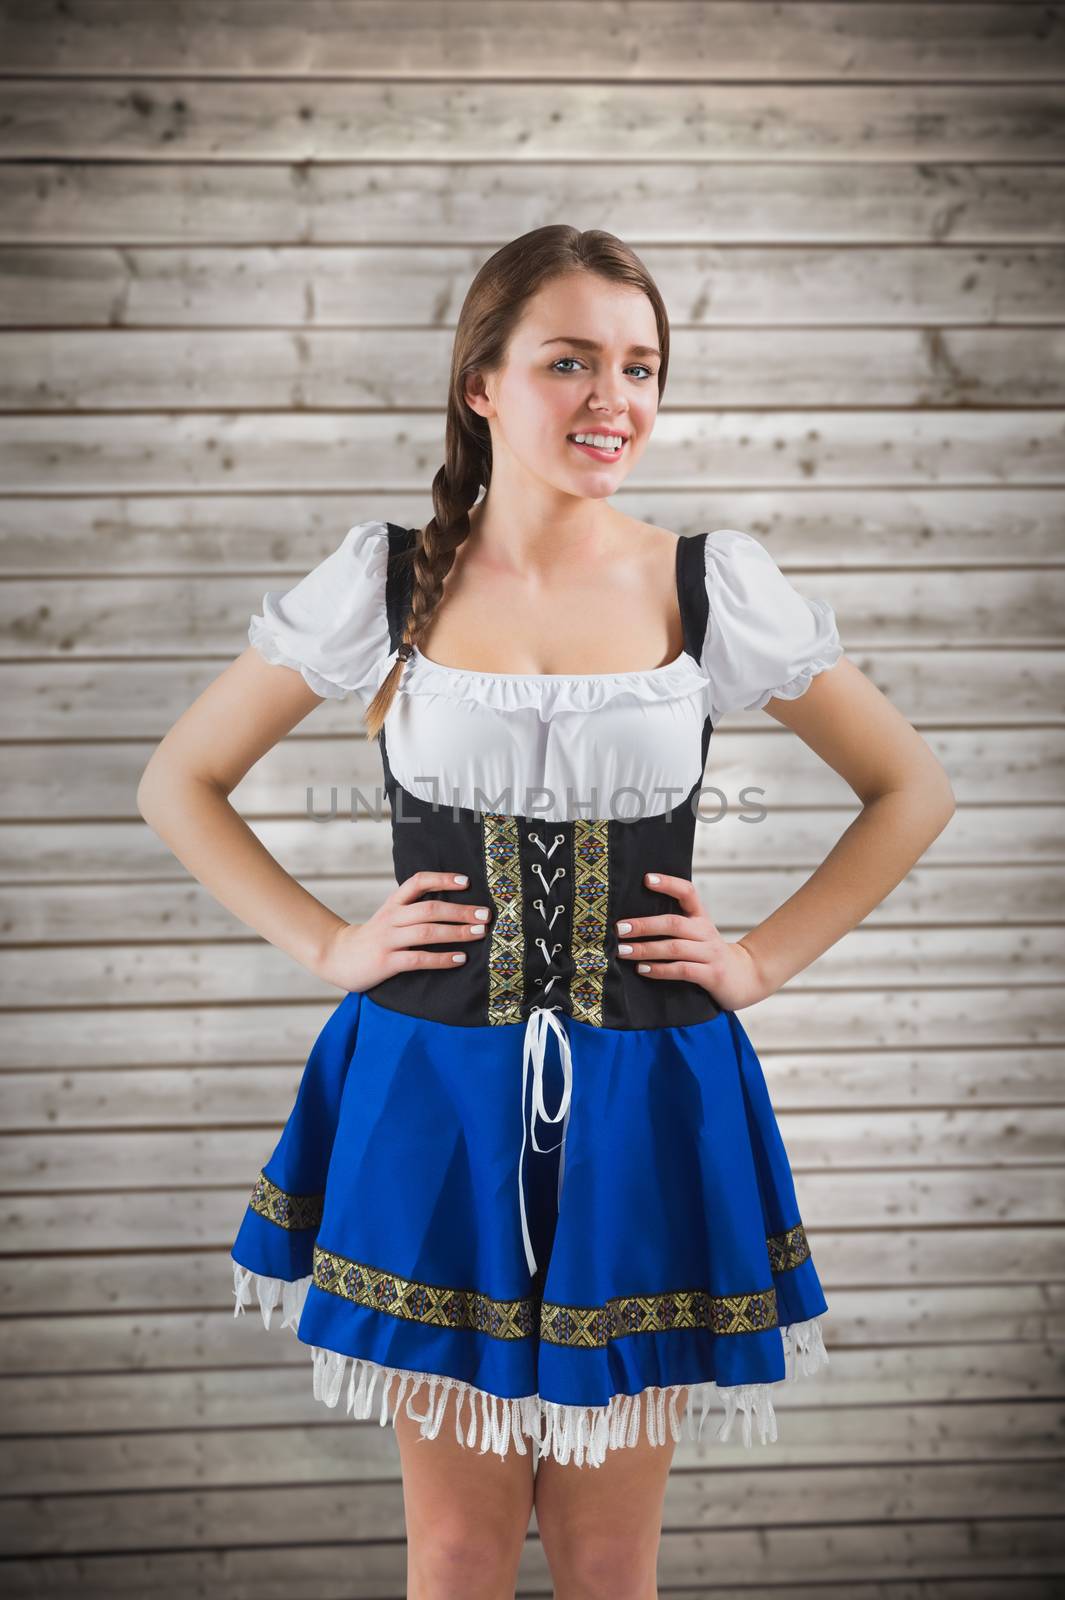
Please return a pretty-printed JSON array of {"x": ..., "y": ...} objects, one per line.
[{"x": 582, "y": 360}]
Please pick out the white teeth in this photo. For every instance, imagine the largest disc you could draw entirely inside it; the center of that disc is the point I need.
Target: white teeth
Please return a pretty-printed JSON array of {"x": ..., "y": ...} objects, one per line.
[{"x": 602, "y": 441}]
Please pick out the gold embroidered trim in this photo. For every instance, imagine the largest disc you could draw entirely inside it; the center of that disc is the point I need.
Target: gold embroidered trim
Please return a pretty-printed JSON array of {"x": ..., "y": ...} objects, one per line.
[
  {"x": 590, "y": 882},
  {"x": 787, "y": 1250},
  {"x": 506, "y": 953},
  {"x": 287, "y": 1210},
  {"x": 577, "y": 1327},
  {"x": 592, "y": 1327},
  {"x": 581, "y": 1327},
  {"x": 421, "y": 1302}
]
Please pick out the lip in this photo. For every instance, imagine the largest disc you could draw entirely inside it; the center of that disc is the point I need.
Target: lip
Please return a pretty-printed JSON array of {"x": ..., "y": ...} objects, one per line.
[{"x": 596, "y": 454}]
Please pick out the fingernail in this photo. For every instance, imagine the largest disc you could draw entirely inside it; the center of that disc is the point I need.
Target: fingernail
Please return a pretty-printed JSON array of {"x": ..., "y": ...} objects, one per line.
[
  {"x": 626, "y": 949},
  {"x": 624, "y": 927},
  {"x": 481, "y": 914},
  {"x": 460, "y": 877},
  {"x": 652, "y": 877},
  {"x": 476, "y": 928},
  {"x": 458, "y": 955},
  {"x": 641, "y": 966}
]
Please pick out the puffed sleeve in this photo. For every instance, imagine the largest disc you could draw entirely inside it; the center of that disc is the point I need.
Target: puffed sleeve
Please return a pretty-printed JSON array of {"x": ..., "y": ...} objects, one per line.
[
  {"x": 332, "y": 626},
  {"x": 763, "y": 638}
]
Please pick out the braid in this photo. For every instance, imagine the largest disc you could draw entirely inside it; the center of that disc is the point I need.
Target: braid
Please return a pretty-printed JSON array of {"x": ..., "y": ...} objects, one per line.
[{"x": 454, "y": 493}]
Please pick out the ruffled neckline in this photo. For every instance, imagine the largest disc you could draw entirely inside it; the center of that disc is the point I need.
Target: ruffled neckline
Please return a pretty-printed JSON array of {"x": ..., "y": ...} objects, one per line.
[{"x": 550, "y": 692}]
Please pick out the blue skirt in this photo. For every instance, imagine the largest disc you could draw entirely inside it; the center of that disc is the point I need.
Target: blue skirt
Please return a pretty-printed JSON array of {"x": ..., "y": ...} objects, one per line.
[{"x": 558, "y": 1221}]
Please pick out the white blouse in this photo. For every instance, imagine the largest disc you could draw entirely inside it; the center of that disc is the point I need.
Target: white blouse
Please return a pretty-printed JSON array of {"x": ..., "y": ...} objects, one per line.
[{"x": 521, "y": 743}]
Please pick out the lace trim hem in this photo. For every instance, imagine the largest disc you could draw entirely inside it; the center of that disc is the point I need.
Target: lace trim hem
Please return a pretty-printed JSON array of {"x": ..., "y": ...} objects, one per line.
[{"x": 581, "y": 1433}]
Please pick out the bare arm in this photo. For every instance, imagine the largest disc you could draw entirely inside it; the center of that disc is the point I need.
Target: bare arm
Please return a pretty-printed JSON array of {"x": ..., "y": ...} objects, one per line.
[
  {"x": 183, "y": 796},
  {"x": 907, "y": 801}
]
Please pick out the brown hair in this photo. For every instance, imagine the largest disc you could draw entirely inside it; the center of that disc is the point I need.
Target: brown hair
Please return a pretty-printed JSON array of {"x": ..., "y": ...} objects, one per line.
[{"x": 492, "y": 308}]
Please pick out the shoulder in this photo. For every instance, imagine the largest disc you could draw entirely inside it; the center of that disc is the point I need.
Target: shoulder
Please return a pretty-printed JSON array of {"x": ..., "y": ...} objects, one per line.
[
  {"x": 332, "y": 624},
  {"x": 649, "y": 555},
  {"x": 359, "y": 558},
  {"x": 764, "y": 638},
  {"x": 731, "y": 550},
  {"x": 365, "y": 544},
  {"x": 743, "y": 580},
  {"x": 645, "y": 539}
]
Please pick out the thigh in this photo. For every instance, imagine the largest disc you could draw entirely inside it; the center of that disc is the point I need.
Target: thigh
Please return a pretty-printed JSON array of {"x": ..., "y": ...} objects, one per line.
[
  {"x": 606, "y": 1522},
  {"x": 457, "y": 1499}
]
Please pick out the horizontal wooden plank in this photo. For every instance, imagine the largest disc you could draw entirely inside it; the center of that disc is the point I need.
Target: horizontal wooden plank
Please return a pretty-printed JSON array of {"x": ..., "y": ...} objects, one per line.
[
  {"x": 136, "y": 1519},
  {"x": 972, "y": 1139},
  {"x": 1022, "y": 1586},
  {"x": 308, "y": 286},
  {"x": 195, "y": 119},
  {"x": 892, "y": 1561},
  {"x": 752, "y": 772},
  {"x": 178, "y": 452},
  {"x": 104, "y": 699},
  {"x": 165, "y": 1277},
  {"x": 191, "y": 1097},
  {"x": 961, "y": 900},
  {"x": 852, "y": 1020},
  {"x": 319, "y": 369},
  {"x": 888, "y": 1319},
  {"x": 663, "y": 39},
  {"x": 269, "y": 1384},
  {"x": 235, "y": 971},
  {"x": 163, "y": 1220},
  {"x": 325, "y": 1570},
  {"x": 367, "y": 201},
  {"x": 106, "y": 916},
  {"x": 983, "y": 837},
  {"x": 203, "y": 1458},
  {"x": 147, "y": 616},
  {"x": 806, "y": 529}
]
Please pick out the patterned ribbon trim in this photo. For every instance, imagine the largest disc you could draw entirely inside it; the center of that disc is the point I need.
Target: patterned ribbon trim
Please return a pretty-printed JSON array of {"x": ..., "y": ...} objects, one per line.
[
  {"x": 580, "y": 1327},
  {"x": 291, "y": 1211}
]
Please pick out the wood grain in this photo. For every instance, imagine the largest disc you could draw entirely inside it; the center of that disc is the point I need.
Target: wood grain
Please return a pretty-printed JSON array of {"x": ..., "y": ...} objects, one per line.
[{"x": 235, "y": 237}]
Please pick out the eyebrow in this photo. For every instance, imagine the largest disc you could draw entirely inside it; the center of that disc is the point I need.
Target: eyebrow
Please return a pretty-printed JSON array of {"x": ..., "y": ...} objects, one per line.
[{"x": 590, "y": 344}]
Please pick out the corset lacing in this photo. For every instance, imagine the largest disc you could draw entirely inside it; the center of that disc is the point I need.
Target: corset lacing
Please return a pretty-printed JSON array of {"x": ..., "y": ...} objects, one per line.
[{"x": 542, "y": 1021}]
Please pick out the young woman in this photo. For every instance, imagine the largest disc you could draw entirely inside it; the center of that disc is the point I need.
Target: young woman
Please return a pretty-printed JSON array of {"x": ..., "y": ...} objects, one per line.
[{"x": 542, "y": 674}]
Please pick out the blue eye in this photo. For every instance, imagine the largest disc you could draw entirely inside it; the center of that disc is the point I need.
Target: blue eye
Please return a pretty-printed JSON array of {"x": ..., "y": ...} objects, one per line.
[{"x": 649, "y": 370}]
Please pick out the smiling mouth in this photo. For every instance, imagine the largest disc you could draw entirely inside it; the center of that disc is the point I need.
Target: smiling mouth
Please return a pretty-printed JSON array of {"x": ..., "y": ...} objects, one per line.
[{"x": 598, "y": 452}]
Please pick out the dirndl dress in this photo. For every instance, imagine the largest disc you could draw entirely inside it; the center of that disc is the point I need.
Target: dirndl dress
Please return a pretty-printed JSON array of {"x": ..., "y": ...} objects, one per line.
[{"x": 541, "y": 1179}]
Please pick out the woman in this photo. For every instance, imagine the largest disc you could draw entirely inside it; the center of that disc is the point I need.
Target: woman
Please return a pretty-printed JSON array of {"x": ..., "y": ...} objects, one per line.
[{"x": 543, "y": 782}]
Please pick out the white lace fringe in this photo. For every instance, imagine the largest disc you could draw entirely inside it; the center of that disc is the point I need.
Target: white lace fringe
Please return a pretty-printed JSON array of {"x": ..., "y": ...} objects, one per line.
[{"x": 583, "y": 1433}]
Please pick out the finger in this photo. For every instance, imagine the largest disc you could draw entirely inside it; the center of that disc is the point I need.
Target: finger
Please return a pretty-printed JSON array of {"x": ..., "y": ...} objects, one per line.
[
  {"x": 406, "y": 934},
  {"x": 414, "y": 960},
  {"x": 662, "y": 922},
  {"x": 681, "y": 889},
  {"x": 426, "y": 882},
  {"x": 440, "y": 911},
  {"x": 687, "y": 971},
  {"x": 664, "y": 950}
]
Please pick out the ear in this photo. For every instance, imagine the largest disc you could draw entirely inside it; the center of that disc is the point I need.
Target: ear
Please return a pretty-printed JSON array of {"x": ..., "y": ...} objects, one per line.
[{"x": 476, "y": 396}]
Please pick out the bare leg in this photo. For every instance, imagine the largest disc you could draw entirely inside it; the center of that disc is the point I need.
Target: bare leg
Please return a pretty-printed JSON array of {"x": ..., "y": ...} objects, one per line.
[
  {"x": 601, "y": 1526},
  {"x": 467, "y": 1514}
]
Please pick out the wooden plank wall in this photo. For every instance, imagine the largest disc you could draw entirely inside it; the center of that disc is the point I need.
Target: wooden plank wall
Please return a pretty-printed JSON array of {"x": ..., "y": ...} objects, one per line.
[{"x": 233, "y": 239}]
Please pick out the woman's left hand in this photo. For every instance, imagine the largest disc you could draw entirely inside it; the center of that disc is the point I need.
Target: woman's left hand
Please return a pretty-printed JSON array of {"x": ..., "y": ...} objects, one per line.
[{"x": 686, "y": 945}]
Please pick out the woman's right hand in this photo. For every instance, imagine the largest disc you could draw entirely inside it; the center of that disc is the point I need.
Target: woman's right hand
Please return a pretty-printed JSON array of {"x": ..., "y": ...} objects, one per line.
[{"x": 362, "y": 954}]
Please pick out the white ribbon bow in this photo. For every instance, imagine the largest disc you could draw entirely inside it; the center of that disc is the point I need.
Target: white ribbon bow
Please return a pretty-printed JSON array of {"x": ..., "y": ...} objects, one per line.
[{"x": 541, "y": 1020}]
